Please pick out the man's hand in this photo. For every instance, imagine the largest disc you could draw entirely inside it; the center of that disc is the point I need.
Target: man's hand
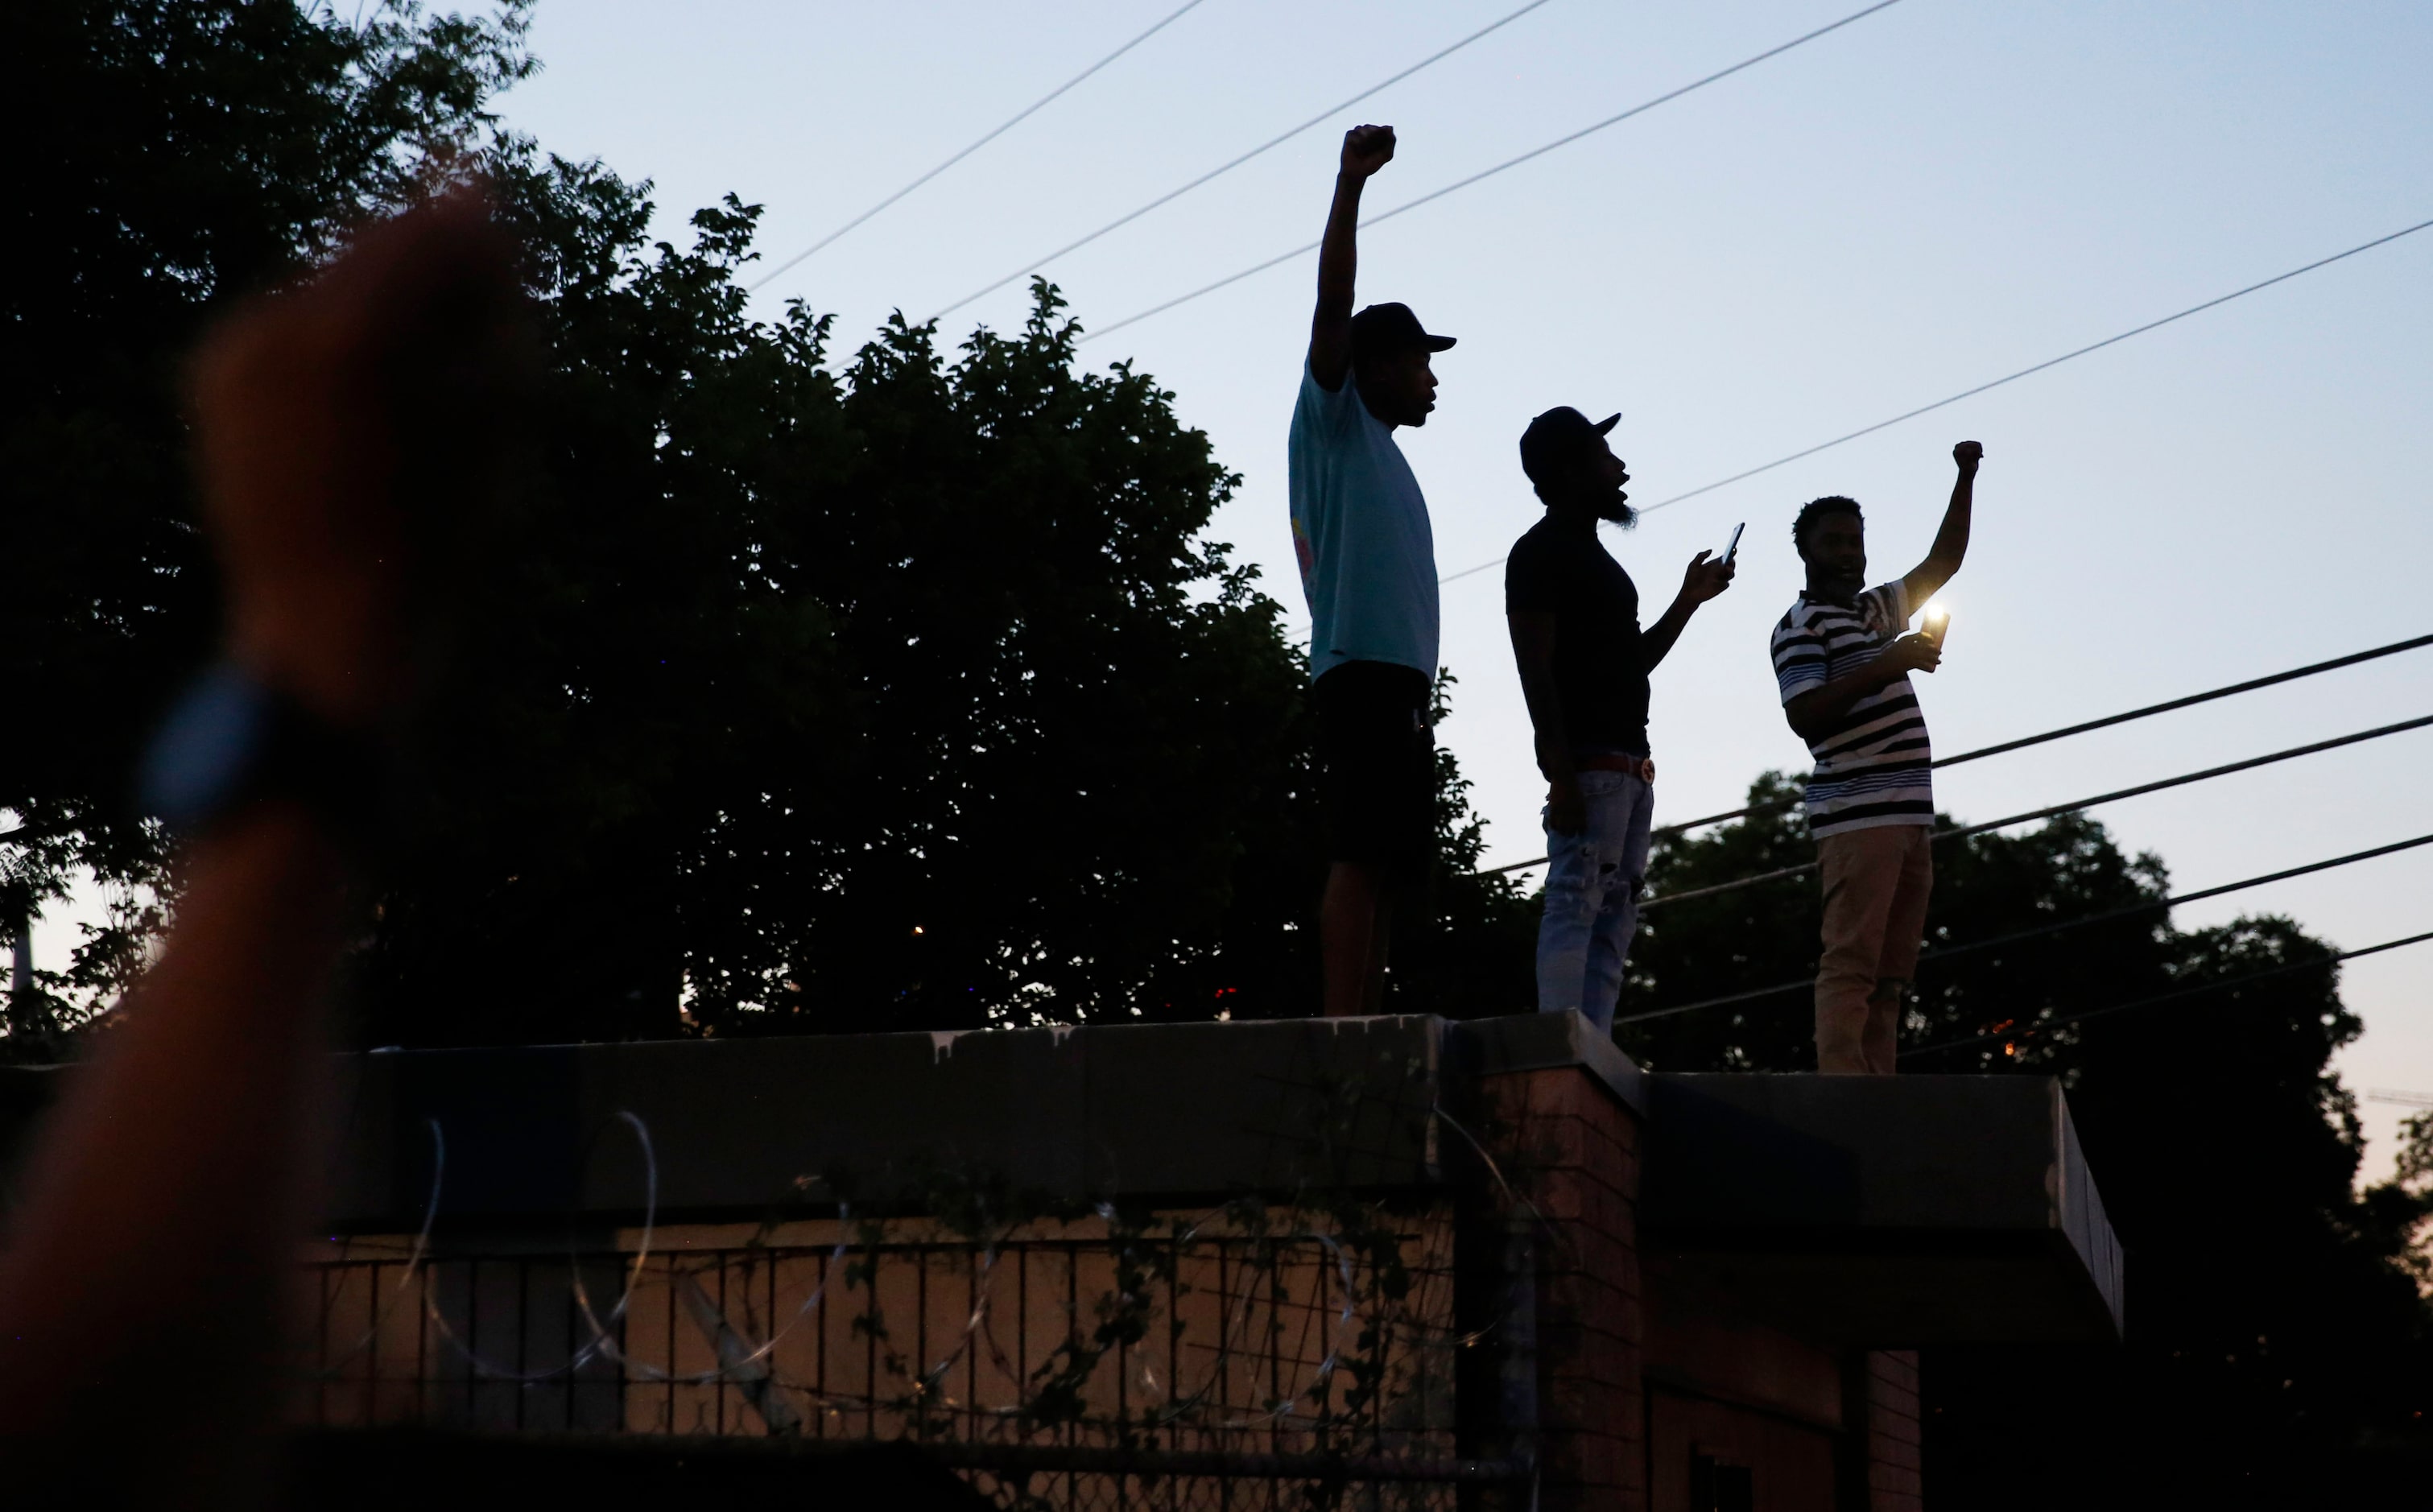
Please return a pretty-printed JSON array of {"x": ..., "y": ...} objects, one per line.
[
  {"x": 1912, "y": 653},
  {"x": 1968, "y": 454},
  {"x": 1366, "y": 149},
  {"x": 1567, "y": 812},
  {"x": 332, "y": 421},
  {"x": 1705, "y": 578}
]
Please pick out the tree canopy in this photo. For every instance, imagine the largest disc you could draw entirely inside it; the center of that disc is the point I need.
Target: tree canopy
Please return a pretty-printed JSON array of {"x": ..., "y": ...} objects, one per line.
[
  {"x": 169, "y": 158},
  {"x": 795, "y": 693}
]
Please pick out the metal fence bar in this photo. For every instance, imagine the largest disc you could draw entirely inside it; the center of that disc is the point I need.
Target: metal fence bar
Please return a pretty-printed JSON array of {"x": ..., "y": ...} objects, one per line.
[{"x": 1272, "y": 1296}]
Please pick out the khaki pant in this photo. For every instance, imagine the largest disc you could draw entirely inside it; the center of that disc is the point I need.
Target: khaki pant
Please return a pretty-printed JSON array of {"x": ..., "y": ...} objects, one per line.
[{"x": 1876, "y": 886}]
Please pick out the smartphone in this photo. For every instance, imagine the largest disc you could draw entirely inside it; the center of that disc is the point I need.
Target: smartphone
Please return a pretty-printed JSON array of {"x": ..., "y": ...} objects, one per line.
[
  {"x": 1936, "y": 621},
  {"x": 1733, "y": 549}
]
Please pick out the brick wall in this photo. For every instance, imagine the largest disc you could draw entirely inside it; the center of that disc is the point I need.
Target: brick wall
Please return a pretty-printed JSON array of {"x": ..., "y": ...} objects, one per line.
[
  {"x": 1569, "y": 1151},
  {"x": 1564, "y": 1200},
  {"x": 1892, "y": 1431}
]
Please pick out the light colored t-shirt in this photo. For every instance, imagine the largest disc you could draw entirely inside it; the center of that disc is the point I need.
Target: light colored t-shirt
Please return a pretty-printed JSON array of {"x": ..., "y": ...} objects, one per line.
[{"x": 1360, "y": 532}]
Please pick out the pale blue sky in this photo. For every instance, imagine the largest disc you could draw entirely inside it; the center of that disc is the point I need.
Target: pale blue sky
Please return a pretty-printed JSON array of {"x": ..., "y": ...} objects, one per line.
[{"x": 1933, "y": 196}]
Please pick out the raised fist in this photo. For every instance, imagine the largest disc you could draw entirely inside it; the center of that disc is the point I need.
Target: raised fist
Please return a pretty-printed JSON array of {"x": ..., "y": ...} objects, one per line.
[
  {"x": 333, "y": 422},
  {"x": 1366, "y": 148},
  {"x": 1968, "y": 454}
]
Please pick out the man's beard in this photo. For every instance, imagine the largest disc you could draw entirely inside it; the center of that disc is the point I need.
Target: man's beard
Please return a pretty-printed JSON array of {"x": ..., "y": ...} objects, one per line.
[{"x": 1617, "y": 511}]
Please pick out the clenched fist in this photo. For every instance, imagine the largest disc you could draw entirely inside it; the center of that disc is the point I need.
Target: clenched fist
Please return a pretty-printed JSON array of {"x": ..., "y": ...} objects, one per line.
[{"x": 1366, "y": 149}]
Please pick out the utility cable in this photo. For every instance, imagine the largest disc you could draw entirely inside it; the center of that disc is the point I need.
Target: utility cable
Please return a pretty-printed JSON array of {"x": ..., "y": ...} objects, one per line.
[
  {"x": 1509, "y": 162},
  {"x": 2133, "y": 910},
  {"x": 2240, "y": 980},
  {"x": 2011, "y": 377},
  {"x": 2024, "y": 741},
  {"x": 2139, "y": 790},
  {"x": 1222, "y": 169},
  {"x": 1010, "y": 122}
]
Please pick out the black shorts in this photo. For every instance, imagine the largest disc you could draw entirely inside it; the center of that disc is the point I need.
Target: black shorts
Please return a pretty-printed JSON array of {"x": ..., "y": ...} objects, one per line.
[{"x": 1377, "y": 768}]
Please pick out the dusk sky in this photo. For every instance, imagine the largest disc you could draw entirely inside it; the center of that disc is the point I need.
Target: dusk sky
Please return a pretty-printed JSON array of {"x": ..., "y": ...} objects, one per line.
[{"x": 1933, "y": 196}]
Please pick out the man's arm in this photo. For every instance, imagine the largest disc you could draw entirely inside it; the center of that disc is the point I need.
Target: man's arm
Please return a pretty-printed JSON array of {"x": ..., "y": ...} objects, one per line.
[
  {"x": 1366, "y": 149},
  {"x": 1951, "y": 539},
  {"x": 1532, "y": 651},
  {"x": 164, "y": 1205},
  {"x": 1813, "y": 713},
  {"x": 1704, "y": 580}
]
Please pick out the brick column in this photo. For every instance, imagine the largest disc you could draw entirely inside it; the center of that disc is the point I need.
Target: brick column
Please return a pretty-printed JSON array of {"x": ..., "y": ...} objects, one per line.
[
  {"x": 1569, "y": 1151},
  {"x": 1892, "y": 1429}
]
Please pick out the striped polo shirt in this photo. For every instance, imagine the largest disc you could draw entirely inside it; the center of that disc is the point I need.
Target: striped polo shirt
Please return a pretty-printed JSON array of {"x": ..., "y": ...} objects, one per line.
[{"x": 1872, "y": 766}]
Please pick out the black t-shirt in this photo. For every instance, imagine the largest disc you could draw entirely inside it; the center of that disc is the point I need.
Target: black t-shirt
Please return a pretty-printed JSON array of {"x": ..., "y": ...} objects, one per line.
[{"x": 1561, "y": 567}]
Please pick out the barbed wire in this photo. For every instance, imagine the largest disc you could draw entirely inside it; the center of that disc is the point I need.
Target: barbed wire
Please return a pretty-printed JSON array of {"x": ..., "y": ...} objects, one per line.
[{"x": 736, "y": 1367}]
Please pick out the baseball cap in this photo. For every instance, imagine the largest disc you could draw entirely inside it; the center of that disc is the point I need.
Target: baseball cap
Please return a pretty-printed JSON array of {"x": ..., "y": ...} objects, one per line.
[
  {"x": 1558, "y": 439},
  {"x": 1391, "y": 328}
]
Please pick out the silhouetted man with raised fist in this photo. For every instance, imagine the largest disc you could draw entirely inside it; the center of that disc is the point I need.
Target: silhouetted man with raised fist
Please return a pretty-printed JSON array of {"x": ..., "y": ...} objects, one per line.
[
  {"x": 1843, "y": 666},
  {"x": 1368, "y": 567}
]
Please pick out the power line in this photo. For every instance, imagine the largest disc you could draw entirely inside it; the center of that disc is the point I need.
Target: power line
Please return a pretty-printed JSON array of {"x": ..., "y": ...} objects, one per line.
[
  {"x": 2024, "y": 741},
  {"x": 2192, "y": 700},
  {"x": 2411, "y": 1099},
  {"x": 2139, "y": 790},
  {"x": 2240, "y": 980},
  {"x": 1010, "y": 122},
  {"x": 2011, "y": 377},
  {"x": 2109, "y": 916},
  {"x": 1508, "y": 162},
  {"x": 1222, "y": 169}
]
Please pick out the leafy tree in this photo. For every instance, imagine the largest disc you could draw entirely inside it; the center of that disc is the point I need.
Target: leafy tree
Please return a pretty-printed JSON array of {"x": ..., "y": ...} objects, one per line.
[
  {"x": 799, "y": 695},
  {"x": 900, "y": 696},
  {"x": 169, "y": 154},
  {"x": 1468, "y": 949},
  {"x": 906, "y": 695}
]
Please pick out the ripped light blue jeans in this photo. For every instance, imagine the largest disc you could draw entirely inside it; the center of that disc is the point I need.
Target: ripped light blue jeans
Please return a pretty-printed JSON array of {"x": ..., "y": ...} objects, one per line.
[{"x": 1593, "y": 880}]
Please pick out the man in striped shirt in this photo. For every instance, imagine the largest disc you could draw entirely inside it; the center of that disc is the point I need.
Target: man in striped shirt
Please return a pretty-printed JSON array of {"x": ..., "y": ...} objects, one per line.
[{"x": 1843, "y": 665}]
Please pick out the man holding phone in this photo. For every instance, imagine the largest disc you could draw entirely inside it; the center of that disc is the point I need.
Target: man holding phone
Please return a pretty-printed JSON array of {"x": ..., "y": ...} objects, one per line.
[
  {"x": 1584, "y": 662},
  {"x": 1842, "y": 665}
]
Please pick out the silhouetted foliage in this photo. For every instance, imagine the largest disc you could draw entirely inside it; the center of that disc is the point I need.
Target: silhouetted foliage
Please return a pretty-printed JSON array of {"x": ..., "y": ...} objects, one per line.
[
  {"x": 901, "y": 692},
  {"x": 166, "y": 158},
  {"x": 2277, "y": 1343}
]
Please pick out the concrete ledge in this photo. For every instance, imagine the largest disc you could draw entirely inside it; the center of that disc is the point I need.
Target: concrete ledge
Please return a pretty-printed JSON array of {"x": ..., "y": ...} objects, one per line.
[
  {"x": 1885, "y": 1210},
  {"x": 741, "y": 1129},
  {"x": 1542, "y": 1042},
  {"x": 1878, "y": 1210}
]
